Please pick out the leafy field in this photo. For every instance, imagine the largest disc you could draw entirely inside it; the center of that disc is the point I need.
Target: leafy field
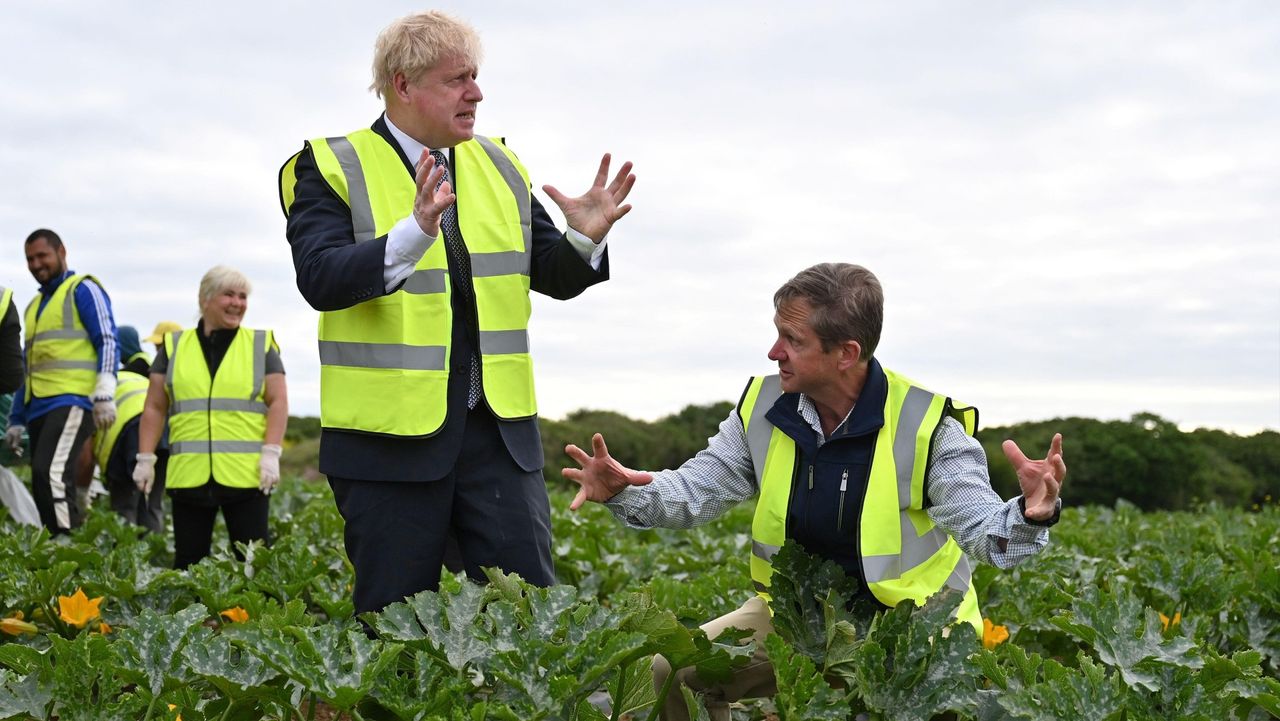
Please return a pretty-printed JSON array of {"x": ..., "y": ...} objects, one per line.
[{"x": 1126, "y": 616}]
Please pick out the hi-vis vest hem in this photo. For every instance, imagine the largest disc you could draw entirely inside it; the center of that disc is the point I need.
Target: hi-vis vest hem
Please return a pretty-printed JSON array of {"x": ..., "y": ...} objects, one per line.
[
  {"x": 217, "y": 425},
  {"x": 384, "y": 363},
  {"x": 60, "y": 358},
  {"x": 904, "y": 554}
]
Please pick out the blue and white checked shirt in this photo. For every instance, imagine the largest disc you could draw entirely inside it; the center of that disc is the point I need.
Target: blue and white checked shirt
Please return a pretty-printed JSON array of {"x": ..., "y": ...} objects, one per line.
[{"x": 721, "y": 475}]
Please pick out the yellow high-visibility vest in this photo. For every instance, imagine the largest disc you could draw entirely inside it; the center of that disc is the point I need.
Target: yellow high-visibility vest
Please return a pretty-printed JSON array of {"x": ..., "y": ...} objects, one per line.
[
  {"x": 61, "y": 359},
  {"x": 217, "y": 425},
  {"x": 131, "y": 397},
  {"x": 904, "y": 554},
  {"x": 384, "y": 363}
]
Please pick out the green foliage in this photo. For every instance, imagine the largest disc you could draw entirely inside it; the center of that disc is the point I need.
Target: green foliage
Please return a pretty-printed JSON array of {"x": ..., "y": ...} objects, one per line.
[{"x": 1087, "y": 637}]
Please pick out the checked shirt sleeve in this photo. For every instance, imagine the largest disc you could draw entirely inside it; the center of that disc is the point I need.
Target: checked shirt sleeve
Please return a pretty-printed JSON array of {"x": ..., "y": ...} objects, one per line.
[
  {"x": 718, "y": 477},
  {"x": 987, "y": 528}
]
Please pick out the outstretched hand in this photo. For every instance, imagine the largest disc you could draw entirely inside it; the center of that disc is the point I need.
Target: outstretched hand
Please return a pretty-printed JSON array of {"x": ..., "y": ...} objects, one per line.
[
  {"x": 1040, "y": 480},
  {"x": 593, "y": 213},
  {"x": 430, "y": 202},
  {"x": 601, "y": 477}
]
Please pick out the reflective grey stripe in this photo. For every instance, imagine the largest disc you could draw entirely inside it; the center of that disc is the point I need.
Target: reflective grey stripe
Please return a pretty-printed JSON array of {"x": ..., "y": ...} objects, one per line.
[
  {"x": 914, "y": 408},
  {"x": 64, "y": 365},
  {"x": 763, "y": 551},
  {"x": 760, "y": 430},
  {"x": 960, "y": 575},
  {"x": 502, "y": 342},
  {"x": 129, "y": 395},
  {"x": 357, "y": 192},
  {"x": 215, "y": 447},
  {"x": 515, "y": 181},
  {"x": 173, "y": 358},
  {"x": 69, "y": 308},
  {"x": 915, "y": 551},
  {"x": 259, "y": 364},
  {"x": 62, "y": 334},
  {"x": 201, "y": 405},
  {"x": 508, "y": 262},
  {"x": 391, "y": 356},
  {"x": 424, "y": 282}
]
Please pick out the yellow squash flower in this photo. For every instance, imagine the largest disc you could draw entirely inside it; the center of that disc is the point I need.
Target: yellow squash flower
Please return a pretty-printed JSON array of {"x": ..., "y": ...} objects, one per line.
[
  {"x": 172, "y": 707},
  {"x": 992, "y": 634},
  {"x": 1167, "y": 622},
  {"x": 235, "y": 615},
  {"x": 104, "y": 628},
  {"x": 78, "y": 609},
  {"x": 15, "y": 626}
]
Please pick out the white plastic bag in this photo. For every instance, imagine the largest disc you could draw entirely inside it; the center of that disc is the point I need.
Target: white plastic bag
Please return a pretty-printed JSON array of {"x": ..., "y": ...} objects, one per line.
[{"x": 16, "y": 497}]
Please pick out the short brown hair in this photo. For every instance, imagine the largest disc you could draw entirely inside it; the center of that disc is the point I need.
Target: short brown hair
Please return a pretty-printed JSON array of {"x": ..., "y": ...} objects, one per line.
[
  {"x": 847, "y": 304},
  {"x": 415, "y": 43}
]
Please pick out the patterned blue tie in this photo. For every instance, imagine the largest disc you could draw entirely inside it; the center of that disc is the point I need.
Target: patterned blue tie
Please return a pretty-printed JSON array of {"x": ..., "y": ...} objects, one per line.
[{"x": 462, "y": 262}]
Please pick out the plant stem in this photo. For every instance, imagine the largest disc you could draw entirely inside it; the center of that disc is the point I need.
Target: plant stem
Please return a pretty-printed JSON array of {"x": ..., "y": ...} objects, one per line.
[
  {"x": 150, "y": 707},
  {"x": 311, "y": 708},
  {"x": 617, "y": 695},
  {"x": 662, "y": 695}
]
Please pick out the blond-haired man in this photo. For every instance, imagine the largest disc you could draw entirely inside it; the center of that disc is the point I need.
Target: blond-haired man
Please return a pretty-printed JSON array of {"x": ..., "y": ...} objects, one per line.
[{"x": 419, "y": 242}]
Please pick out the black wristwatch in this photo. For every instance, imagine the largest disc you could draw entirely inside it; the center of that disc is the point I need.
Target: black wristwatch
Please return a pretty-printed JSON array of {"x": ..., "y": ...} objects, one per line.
[{"x": 1057, "y": 512}]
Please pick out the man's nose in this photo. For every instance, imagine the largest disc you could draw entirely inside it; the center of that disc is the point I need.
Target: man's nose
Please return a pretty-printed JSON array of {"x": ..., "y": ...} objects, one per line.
[
  {"x": 473, "y": 92},
  {"x": 775, "y": 352}
]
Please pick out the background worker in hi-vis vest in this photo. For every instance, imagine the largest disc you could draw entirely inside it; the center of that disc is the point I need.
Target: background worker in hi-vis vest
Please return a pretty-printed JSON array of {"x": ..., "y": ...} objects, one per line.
[
  {"x": 70, "y": 383},
  {"x": 419, "y": 242},
  {"x": 857, "y": 463}
]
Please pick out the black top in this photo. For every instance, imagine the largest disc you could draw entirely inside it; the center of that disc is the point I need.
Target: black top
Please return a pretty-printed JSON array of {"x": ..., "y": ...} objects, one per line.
[{"x": 11, "y": 369}]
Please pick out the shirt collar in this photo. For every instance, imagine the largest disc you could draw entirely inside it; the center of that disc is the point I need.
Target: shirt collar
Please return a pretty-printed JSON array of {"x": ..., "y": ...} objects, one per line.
[
  {"x": 412, "y": 148},
  {"x": 52, "y": 285},
  {"x": 862, "y": 418}
]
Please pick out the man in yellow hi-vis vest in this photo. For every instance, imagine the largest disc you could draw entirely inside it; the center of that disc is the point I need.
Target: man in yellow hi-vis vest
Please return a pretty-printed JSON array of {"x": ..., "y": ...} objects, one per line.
[
  {"x": 70, "y": 384},
  {"x": 419, "y": 242},
  {"x": 859, "y": 464}
]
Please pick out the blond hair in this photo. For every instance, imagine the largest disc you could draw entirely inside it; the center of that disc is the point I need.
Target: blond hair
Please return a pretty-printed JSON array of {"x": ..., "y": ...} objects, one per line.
[
  {"x": 220, "y": 278},
  {"x": 415, "y": 43}
]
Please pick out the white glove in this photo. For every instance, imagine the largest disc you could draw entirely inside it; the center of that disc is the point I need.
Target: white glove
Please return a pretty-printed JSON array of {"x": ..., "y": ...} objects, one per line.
[
  {"x": 104, "y": 400},
  {"x": 144, "y": 473},
  {"x": 13, "y": 437},
  {"x": 269, "y": 468},
  {"x": 84, "y": 499}
]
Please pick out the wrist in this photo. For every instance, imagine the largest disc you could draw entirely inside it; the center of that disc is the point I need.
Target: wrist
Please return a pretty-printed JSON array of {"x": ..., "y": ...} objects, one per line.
[
  {"x": 1044, "y": 522},
  {"x": 272, "y": 449},
  {"x": 146, "y": 457}
]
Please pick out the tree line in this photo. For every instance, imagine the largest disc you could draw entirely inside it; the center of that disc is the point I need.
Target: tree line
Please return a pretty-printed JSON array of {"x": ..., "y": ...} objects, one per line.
[{"x": 1145, "y": 460}]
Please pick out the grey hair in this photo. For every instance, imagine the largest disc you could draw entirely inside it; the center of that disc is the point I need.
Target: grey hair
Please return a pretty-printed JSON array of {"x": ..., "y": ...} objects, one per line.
[{"x": 847, "y": 304}]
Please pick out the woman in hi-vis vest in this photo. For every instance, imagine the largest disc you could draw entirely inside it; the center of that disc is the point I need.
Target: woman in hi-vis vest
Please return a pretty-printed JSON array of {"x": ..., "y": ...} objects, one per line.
[{"x": 221, "y": 385}]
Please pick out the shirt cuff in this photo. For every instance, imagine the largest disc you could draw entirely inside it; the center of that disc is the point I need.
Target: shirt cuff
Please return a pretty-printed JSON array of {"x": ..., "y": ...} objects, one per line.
[
  {"x": 627, "y": 506},
  {"x": 406, "y": 244},
  {"x": 591, "y": 251}
]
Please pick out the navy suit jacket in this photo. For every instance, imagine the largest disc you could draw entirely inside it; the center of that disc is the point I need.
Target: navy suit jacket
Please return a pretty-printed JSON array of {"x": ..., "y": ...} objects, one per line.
[{"x": 335, "y": 272}]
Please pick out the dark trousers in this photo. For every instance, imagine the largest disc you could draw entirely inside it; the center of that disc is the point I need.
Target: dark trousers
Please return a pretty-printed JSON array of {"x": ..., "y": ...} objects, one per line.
[
  {"x": 245, "y": 514},
  {"x": 56, "y": 440},
  {"x": 126, "y": 499},
  {"x": 396, "y": 532}
]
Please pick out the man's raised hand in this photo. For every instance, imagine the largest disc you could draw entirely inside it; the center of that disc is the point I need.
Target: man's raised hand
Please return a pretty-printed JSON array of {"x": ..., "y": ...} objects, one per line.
[
  {"x": 601, "y": 477},
  {"x": 430, "y": 202},
  {"x": 593, "y": 213},
  {"x": 1040, "y": 480}
]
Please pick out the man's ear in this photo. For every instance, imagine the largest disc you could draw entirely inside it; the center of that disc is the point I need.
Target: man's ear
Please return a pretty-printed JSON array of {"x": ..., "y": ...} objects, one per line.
[
  {"x": 400, "y": 87},
  {"x": 850, "y": 354}
]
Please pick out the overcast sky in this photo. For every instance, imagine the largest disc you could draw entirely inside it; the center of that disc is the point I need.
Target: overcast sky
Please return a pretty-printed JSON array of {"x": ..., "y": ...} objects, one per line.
[{"x": 1072, "y": 206}]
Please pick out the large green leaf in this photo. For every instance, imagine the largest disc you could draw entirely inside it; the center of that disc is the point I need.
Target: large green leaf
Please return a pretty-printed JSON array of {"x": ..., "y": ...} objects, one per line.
[
  {"x": 803, "y": 694},
  {"x": 1126, "y": 635}
]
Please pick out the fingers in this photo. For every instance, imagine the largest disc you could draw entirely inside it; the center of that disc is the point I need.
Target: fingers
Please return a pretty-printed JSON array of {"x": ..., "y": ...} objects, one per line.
[
  {"x": 602, "y": 173},
  {"x": 639, "y": 478},
  {"x": 1055, "y": 446},
  {"x": 598, "y": 447},
  {"x": 1059, "y": 467},
  {"x": 1014, "y": 454},
  {"x": 578, "y": 500},
  {"x": 622, "y": 183},
  {"x": 556, "y": 196},
  {"x": 577, "y": 454}
]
